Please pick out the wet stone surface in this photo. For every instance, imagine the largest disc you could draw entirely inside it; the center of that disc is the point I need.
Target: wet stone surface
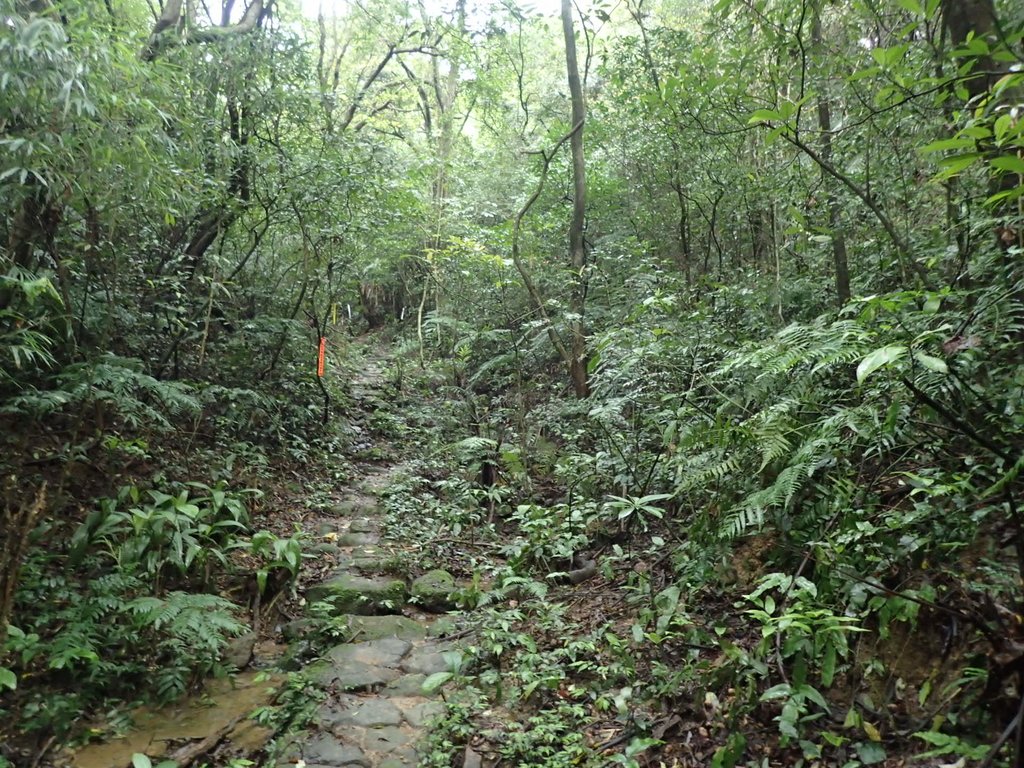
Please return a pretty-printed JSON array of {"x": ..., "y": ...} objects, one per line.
[
  {"x": 349, "y": 593},
  {"x": 375, "y": 712}
]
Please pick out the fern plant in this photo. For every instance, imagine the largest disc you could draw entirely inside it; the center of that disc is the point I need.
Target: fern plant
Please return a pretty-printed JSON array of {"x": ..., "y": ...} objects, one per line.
[
  {"x": 190, "y": 633},
  {"x": 90, "y": 643},
  {"x": 114, "y": 384},
  {"x": 784, "y": 420}
]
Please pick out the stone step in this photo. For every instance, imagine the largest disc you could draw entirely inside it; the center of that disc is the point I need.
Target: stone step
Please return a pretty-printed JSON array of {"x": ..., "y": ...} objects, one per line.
[{"x": 349, "y": 593}]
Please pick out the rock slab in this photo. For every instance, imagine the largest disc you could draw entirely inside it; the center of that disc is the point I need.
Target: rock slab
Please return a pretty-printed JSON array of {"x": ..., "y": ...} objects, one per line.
[
  {"x": 435, "y": 590},
  {"x": 349, "y": 593}
]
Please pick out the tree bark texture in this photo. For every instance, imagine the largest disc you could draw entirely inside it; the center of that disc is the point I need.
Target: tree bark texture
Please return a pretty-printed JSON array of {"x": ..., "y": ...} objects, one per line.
[
  {"x": 577, "y": 247},
  {"x": 172, "y": 16},
  {"x": 840, "y": 262},
  {"x": 961, "y": 20},
  {"x": 962, "y": 17},
  {"x": 17, "y": 519}
]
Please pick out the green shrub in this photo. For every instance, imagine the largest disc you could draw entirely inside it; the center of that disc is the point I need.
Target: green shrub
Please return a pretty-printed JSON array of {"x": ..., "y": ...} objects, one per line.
[{"x": 87, "y": 644}]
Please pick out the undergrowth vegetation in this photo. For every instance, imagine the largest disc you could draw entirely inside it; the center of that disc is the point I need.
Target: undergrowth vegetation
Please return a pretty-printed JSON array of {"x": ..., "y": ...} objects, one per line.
[
  {"x": 705, "y": 380},
  {"x": 804, "y": 543}
]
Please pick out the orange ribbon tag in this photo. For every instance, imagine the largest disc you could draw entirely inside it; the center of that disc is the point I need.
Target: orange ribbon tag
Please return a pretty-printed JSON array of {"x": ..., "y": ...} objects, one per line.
[{"x": 320, "y": 357}]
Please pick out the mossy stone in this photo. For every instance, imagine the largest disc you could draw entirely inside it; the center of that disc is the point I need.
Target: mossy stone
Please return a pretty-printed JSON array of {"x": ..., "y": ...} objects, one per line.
[
  {"x": 364, "y": 525},
  {"x": 442, "y": 626},
  {"x": 361, "y": 506},
  {"x": 358, "y": 539},
  {"x": 435, "y": 590},
  {"x": 377, "y": 627},
  {"x": 348, "y": 593}
]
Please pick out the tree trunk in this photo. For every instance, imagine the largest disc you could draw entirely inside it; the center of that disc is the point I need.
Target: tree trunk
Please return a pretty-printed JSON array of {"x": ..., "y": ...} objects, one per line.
[
  {"x": 172, "y": 16},
  {"x": 577, "y": 248},
  {"x": 17, "y": 519},
  {"x": 962, "y": 19},
  {"x": 536, "y": 299},
  {"x": 683, "y": 224},
  {"x": 841, "y": 268}
]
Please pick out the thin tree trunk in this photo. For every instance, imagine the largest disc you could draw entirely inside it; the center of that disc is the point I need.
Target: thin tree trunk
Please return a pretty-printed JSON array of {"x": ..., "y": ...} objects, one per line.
[
  {"x": 683, "y": 223},
  {"x": 577, "y": 248},
  {"x": 17, "y": 519},
  {"x": 977, "y": 18},
  {"x": 536, "y": 299},
  {"x": 279, "y": 347},
  {"x": 841, "y": 268},
  {"x": 419, "y": 323}
]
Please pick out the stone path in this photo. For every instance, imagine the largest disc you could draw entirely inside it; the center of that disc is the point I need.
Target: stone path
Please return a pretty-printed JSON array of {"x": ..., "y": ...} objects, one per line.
[{"x": 376, "y": 709}]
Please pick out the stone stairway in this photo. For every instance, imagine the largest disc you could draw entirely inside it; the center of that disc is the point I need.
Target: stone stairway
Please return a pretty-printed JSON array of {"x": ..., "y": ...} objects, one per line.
[{"x": 376, "y": 709}]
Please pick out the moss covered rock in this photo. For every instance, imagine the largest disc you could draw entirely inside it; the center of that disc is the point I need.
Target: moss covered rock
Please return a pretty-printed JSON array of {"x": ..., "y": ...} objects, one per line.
[
  {"x": 348, "y": 593},
  {"x": 435, "y": 590}
]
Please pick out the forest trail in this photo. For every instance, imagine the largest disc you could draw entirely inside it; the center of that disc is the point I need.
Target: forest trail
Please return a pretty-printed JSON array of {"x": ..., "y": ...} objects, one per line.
[
  {"x": 374, "y": 709},
  {"x": 688, "y": 368}
]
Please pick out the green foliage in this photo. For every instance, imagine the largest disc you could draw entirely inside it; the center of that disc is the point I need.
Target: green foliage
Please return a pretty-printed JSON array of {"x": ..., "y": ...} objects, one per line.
[
  {"x": 295, "y": 706},
  {"x": 549, "y": 738},
  {"x": 276, "y": 555},
  {"x": 631, "y": 510},
  {"x": 26, "y": 336},
  {"x": 187, "y": 627},
  {"x": 546, "y": 538},
  {"x": 111, "y": 384},
  {"x": 111, "y": 639},
  {"x": 170, "y": 535},
  {"x": 455, "y": 730},
  {"x": 140, "y": 760},
  {"x": 804, "y": 635},
  {"x": 636, "y": 746},
  {"x": 180, "y": 229},
  {"x": 946, "y": 744}
]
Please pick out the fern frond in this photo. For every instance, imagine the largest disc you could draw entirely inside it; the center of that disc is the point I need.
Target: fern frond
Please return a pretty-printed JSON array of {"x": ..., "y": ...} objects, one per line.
[{"x": 741, "y": 521}]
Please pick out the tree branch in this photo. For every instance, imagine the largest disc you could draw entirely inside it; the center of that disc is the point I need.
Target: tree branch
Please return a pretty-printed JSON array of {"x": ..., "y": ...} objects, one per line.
[
  {"x": 172, "y": 17},
  {"x": 531, "y": 287},
  {"x": 901, "y": 245}
]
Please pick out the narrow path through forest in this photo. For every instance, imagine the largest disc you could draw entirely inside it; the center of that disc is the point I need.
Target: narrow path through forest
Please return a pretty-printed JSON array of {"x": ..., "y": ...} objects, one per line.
[
  {"x": 374, "y": 710},
  {"x": 679, "y": 345}
]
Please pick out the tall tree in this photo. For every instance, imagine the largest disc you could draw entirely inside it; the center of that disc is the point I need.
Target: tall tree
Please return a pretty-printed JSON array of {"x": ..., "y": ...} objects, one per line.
[
  {"x": 841, "y": 268},
  {"x": 991, "y": 91},
  {"x": 577, "y": 245}
]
